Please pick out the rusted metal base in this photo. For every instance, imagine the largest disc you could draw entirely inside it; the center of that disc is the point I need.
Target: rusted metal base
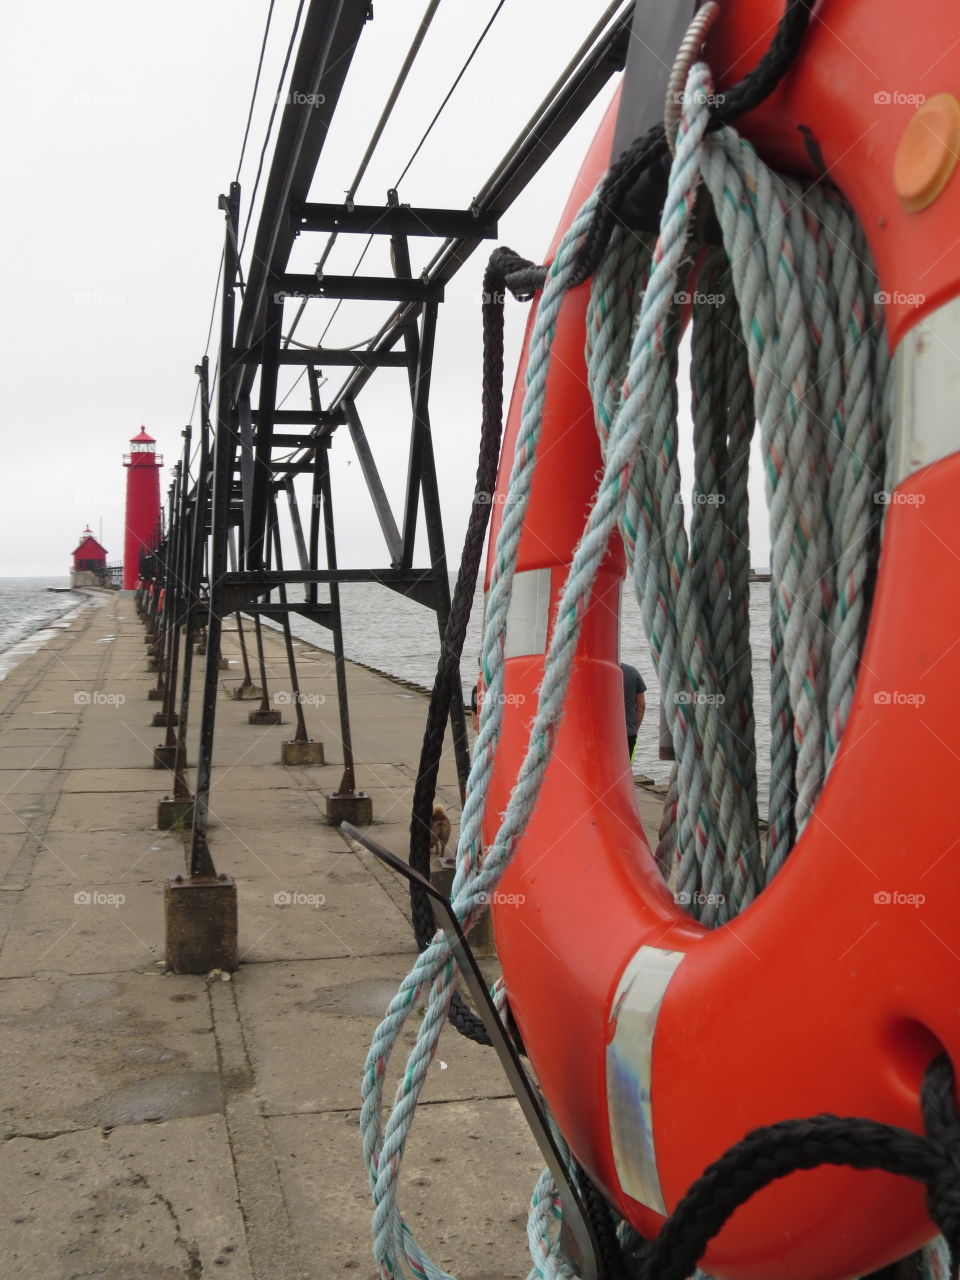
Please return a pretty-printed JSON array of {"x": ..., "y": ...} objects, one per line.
[
  {"x": 161, "y": 719},
  {"x": 201, "y": 924},
  {"x": 149, "y": 637},
  {"x": 355, "y": 807},
  {"x": 153, "y": 649},
  {"x": 151, "y": 664},
  {"x": 247, "y": 692},
  {"x": 165, "y": 757},
  {"x": 301, "y": 753},
  {"x": 223, "y": 664},
  {"x": 200, "y": 650},
  {"x": 175, "y": 815},
  {"x": 265, "y": 717},
  {"x": 156, "y": 695}
]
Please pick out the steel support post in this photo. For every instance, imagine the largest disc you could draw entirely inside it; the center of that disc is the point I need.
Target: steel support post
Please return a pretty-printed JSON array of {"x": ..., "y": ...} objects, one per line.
[
  {"x": 301, "y": 749},
  {"x": 422, "y": 476},
  {"x": 346, "y": 804},
  {"x": 175, "y": 551},
  {"x": 224, "y": 449}
]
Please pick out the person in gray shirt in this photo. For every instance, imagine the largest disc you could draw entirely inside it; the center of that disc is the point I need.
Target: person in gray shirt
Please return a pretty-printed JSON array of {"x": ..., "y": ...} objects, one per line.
[{"x": 634, "y": 703}]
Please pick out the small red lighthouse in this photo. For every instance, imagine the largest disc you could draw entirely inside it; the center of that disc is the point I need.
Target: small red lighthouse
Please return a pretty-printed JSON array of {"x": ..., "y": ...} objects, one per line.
[
  {"x": 89, "y": 562},
  {"x": 143, "y": 503}
]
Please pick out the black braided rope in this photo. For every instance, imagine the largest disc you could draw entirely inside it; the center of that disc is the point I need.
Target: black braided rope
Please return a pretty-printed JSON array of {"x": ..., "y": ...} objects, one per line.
[
  {"x": 773, "y": 1152},
  {"x": 505, "y": 269},
  {"x": 645, "y": 161}
]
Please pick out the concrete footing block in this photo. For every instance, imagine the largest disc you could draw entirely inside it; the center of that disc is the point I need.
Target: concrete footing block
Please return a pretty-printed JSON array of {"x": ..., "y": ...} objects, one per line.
[
  {"x": 175, "y": 815},
  {"x": 223, "y": 664},
  {"x": 200, "y": 916},
  {"x": 264, "y": 717},
  {"x": 355, "y": 807},
  {"x": 301, "y": 753},
  {"x": 156, "y": 695},
  {"x": 171, "y": 758},
  {"x": 480, "y": 936},
  {"x": 247, "y": 692},
  {"x": 200, "y": 650},
  {"x": 151, "y": 664},
  {"x": 161, "y": 719}
]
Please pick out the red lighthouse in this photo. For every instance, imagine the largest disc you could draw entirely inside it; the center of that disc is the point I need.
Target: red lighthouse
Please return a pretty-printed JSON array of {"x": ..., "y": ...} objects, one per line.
[{"x": 143, "y": 503}]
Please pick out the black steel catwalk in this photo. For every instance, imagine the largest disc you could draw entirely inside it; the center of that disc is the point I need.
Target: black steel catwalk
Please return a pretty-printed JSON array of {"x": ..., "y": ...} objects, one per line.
[{"x": 234, "y": 503}]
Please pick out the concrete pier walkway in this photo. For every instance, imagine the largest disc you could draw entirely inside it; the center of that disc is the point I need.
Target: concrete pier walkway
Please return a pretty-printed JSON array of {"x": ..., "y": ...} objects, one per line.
[{"x": 158, "y": 1127}]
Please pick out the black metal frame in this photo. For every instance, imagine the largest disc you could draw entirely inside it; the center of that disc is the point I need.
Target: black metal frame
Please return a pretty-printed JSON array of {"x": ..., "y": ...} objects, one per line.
[{"x": 234, "y": 489}]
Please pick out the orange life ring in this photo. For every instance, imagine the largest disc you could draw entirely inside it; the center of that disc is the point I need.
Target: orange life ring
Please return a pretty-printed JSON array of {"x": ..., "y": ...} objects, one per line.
[{"x": 658, "y": 1045}]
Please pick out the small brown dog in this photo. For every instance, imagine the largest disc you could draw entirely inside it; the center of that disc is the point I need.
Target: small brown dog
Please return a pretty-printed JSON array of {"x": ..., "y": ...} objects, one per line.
[{"x": 440, "y": 833}]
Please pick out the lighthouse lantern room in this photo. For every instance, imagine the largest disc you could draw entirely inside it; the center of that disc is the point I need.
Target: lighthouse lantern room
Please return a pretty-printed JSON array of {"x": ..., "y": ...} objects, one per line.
[{"x": 142, "y": 523}]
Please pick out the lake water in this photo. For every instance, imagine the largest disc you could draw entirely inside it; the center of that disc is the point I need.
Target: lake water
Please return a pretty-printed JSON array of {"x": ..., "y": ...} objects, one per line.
[
  {"x": 393, "y": 634},
  {"x": 27, "y": 610},
  {"x": 387, "y": 631}
]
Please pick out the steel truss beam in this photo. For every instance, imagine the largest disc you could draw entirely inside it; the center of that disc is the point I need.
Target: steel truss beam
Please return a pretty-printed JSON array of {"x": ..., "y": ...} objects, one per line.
[{"x": 239, "y": 479}]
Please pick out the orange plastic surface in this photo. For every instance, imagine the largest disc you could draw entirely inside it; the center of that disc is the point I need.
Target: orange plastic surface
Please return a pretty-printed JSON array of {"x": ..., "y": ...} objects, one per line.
[{"x": 834, "y": 990}]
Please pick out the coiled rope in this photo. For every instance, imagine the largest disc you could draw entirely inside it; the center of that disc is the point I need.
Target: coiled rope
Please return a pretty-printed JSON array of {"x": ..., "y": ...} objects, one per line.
[{"x": 801, "y": 319}]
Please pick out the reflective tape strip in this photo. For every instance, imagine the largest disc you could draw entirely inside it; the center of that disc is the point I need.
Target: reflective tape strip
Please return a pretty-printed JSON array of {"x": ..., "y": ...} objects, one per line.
[
  {"x": 528, "y": 614},
  {"x": 636, "y": 1007},
  {"x": 926, "y": 375}
]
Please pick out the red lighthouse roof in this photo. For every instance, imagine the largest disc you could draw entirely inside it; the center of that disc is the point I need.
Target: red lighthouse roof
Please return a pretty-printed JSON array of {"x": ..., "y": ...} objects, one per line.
[
  {"x": 142, "y": 437},
  {"x": 89, "y": 551}
]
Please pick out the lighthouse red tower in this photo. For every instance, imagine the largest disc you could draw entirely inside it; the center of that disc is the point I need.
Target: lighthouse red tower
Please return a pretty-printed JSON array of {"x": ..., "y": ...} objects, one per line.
[{"x": 143, "y": 503}]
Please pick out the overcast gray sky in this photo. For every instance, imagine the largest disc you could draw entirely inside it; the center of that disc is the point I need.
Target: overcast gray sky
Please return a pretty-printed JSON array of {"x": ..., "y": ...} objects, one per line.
[{"x": 123, "y": 123}]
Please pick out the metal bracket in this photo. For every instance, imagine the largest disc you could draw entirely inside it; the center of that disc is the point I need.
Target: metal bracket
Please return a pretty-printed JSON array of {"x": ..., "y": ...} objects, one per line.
[
  {"x": 574, "y": 1210},
  {"x": 234, "y": 598}
]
